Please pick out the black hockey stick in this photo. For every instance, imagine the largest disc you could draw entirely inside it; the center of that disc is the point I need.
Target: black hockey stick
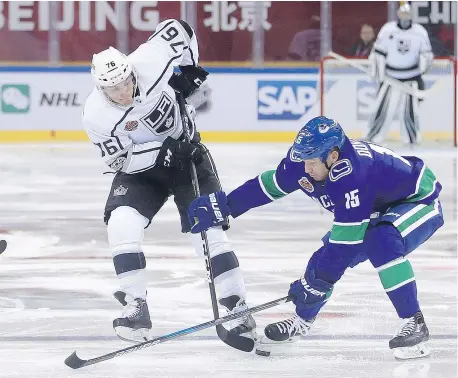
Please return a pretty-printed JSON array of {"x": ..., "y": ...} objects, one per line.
[
  {"x": 75, "y": 362},
  {"x": 236, "y": 341}
]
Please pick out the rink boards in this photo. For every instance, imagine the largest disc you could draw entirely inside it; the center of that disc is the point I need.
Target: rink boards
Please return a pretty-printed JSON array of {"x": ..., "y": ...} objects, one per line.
[{"x": 239, "y": 104}]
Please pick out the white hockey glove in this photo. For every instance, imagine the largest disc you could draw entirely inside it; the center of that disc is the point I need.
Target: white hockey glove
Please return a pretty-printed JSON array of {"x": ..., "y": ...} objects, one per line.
[
  {"x": 377, "y": 67},
  {"x": 425, "y": 61}
]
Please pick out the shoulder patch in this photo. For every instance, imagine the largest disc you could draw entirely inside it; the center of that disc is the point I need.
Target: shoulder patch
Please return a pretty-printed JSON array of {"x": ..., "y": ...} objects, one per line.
[
  {"x": 118, "y": 163},
  {"x": 306, "y": 184},
  {"x": 340, "y": 169}
]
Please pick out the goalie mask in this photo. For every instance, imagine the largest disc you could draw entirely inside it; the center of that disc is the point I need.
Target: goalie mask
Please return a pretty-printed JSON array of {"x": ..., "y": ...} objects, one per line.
[{"x": 404, "y": 16}]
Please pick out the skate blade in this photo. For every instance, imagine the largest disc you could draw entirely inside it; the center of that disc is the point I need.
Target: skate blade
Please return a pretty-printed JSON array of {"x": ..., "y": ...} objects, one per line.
[
  {"x": 133, "y": 336},
  {"x": 265, "y": 346},
  {"x": 408, "y": 353}
]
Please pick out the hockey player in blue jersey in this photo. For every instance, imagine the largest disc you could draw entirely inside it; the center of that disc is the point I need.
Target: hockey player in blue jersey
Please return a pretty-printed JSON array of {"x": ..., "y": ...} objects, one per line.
[{"x": 384, "y": 206}]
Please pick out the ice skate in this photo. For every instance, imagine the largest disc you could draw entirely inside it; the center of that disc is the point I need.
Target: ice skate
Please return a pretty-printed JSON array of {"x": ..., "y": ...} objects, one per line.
[
  {"x": 246, "y": 325},
  {"x": 134, "y": 324},
  {"x": 283, "y": 332},
  {"x": 410, "y": 341}
]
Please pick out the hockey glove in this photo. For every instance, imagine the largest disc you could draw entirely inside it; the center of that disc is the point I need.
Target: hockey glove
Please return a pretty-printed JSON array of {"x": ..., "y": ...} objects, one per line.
[
  {"x": 178, "y": 154},
  {"x": 309, "y": 294},
  {"x": 378, "y": 66},
  {"x": 208, "y": 211},
  {"x": 188, "y": 80},
  {"x": 195, "y": 74}
]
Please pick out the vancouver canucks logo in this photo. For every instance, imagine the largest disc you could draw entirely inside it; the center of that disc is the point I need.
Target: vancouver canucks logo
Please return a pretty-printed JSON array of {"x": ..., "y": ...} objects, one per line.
[
  {"x": 340, "y": 169},
  {"x": 323, "y": 128}
]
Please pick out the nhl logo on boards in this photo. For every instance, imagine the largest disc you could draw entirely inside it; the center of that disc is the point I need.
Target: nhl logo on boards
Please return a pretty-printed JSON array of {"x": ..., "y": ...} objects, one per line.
[
  {"x": 131, "y": 126},
  {"x": 120, "y": 191},
  {"x": 306, "y": 184}
]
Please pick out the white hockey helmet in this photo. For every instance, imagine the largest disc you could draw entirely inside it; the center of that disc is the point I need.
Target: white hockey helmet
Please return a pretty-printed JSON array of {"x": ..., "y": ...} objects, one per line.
[
  {"x": 114, "y": 76},
  {"x": 110, "y": 67}
]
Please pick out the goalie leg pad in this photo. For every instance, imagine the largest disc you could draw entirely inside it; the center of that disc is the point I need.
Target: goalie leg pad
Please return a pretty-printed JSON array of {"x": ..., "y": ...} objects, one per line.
[
  {"x": 378, "y": 117},
  {"x": 385, "y": 109},
  {"x": 409, "y": 117}
]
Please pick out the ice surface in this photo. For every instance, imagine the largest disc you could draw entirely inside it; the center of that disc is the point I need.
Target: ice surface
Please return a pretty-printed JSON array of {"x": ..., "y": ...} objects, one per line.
[{"x": 57, "y": 278}]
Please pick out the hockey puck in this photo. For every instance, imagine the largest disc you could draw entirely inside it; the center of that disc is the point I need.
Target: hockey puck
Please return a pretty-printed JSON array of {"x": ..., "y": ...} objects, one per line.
[
  {"x": 3, "y": 245},
  {"x": 263, "y": 353}
]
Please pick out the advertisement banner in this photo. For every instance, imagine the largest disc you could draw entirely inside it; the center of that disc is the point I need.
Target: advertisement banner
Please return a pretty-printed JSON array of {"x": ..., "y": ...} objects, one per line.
[
  {"x": 236, "y": 104},
  {"x": 257, "y": 101},
  {"x": 224, "y": 28},
  {"x": 43, "y": 100},
  {"x": 350, "y": 99}
]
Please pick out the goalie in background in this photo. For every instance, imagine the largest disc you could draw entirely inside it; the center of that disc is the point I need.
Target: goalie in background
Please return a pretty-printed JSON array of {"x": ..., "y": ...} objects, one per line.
[{"x": 402, "y": 51}]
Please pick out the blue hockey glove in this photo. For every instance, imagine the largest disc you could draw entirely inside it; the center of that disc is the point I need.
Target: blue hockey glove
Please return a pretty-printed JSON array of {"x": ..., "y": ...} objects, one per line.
[
  {"x": 309, "y": 294},
  {"x": 208, "y": 211}
]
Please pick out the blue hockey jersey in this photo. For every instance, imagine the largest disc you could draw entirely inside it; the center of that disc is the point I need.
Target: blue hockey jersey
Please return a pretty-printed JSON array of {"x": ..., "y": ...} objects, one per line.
[{"x": 366, "y": 180}]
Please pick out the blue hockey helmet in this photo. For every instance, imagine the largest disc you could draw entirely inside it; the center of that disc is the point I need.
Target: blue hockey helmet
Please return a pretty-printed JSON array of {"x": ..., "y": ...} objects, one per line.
[{"x": 317, "y": 139}]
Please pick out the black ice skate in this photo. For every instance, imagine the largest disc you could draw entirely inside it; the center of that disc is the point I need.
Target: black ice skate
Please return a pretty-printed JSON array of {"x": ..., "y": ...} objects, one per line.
[
  {"x": 245, "y": 325},
  {"x": 288, "y": 330},
  {"x": 135, "y": 323},
  {"x": 410, "y": 341},
  {"x": 283, "y": 332}
]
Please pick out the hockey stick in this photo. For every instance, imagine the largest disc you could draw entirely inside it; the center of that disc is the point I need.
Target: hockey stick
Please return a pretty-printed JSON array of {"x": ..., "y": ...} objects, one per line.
[
  {"x": 236, "y": 341},
  {"x": 3, "y": 245},
  {"x": 389, "y": 80},
  {"x": 75, "y": 362}
]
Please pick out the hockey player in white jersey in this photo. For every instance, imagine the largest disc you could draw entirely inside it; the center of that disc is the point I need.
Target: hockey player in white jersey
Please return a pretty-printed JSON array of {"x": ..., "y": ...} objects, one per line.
[
  {"x": 402, "y": 51},
  {"x": 133, "y": 119}
]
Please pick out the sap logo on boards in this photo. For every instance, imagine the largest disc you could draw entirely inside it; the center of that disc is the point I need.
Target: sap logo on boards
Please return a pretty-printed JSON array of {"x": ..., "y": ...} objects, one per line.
[{"x": 285, "y": 100}]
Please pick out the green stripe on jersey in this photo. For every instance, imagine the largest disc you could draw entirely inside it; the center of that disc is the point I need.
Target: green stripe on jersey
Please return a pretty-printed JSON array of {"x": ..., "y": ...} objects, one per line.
[
  {"x": 351, "y": 233},
  {"x": 426, "y": 185},
  {"x": 425, "y": 212},
  {"x": 397, "y": 275},
  {"x": 269, "y": 185}
]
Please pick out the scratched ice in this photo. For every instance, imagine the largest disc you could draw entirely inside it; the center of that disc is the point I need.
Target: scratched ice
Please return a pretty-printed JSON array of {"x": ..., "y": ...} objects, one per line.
[{"x": 57, "y": 278}]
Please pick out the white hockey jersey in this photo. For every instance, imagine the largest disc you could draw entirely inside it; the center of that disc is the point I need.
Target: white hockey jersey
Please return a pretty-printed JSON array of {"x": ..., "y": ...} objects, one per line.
[
  {"x": 129, "y": 137},
  {"x": 402, "y": 50}
]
